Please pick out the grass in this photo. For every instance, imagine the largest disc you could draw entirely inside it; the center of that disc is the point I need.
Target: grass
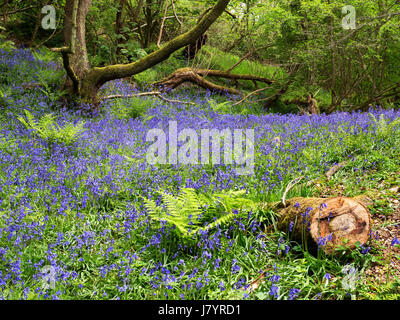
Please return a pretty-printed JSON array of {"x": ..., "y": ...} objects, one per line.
[{"x": 82, "y": 211}]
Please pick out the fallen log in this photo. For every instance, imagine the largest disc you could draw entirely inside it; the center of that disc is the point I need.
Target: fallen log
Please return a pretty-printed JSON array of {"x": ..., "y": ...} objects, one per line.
[
  {"x": 196, "y": 76},
  {"x": 329, "y": 223},
  {"x": 181, "y": 76}
]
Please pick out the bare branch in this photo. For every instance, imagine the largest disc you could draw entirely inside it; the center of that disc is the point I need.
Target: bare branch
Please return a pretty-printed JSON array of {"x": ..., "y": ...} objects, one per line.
[
  {"x": 162, "y": 23},
  {"x": 289, "y": 187},
  {"x": 143, "y": 94}
]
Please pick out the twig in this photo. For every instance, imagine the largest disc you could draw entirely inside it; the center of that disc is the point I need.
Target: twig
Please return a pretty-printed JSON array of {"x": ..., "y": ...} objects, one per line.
[
  {"x": 176, "y": 16},
  {"x": 289, "y": 187},
  {"x": 153, "y": 93},
  {"x": 21, "y": 10},
  {"x": 240, "y": 61},
  {"x": 230, "y": 13},
  {"x": 335, "y": 169},
  {"x": 162, "y": 24},
  {"x": 55, "y": 32},
  {"x": 31, "y": 85},
  {"x": 249, "y": 95}
]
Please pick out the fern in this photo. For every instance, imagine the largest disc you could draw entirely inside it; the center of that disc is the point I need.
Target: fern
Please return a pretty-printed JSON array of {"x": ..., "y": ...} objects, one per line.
[
  {"x": 384, "y": 129},
  {"x": 223, "y": 107},
  {"x": 47, "y": 129},
  {"x": 187, "y": 210}
]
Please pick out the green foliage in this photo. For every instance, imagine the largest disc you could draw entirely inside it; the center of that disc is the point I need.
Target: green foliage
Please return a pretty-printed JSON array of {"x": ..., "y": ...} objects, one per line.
[
  {"x": 161, "y": 70},
  {"x": 189, "y": 211},
  {"x": 384, "y": 129},
  {"x": 384, "y": 291},
  {"x": 52, "y": 94},
  {"x": 214, "y": 58},
  {"x": 5, "y": 143},
  {"x": 47, "y": 129},
  {"x": 5, "y": 44},
  {"x": 4, "y": 92},
  {"x": 131, "y": 108}
]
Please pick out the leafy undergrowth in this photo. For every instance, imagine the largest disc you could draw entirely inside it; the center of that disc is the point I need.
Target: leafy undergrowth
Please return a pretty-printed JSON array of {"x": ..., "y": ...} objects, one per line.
[{"x": 74, "y": 223}]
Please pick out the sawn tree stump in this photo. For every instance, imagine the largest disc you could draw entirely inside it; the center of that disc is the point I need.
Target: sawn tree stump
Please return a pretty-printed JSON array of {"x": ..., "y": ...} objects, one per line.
[{"x": 329, "y": 223}]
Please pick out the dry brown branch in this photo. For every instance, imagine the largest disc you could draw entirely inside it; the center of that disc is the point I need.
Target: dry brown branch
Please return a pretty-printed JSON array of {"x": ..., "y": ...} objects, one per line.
[
  {"x": 162, "y": 23},
  {"x": 248, "y": 54},
  {"x": 335, "y": 169},
  {"x": 153, "y": 93},
  {"x": 289, "y": 187},
  {"x": 249, "y": 95}
]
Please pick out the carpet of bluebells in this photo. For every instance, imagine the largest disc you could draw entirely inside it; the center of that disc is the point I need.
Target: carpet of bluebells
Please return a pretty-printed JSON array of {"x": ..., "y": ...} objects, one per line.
[{"x": 79, "y": 211}]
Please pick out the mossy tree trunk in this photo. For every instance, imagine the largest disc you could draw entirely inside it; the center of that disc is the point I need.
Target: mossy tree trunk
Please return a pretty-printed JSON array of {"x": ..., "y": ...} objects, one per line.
[
  {"x": 76, "y": 61},
  {"x": 84, "y": 81}
]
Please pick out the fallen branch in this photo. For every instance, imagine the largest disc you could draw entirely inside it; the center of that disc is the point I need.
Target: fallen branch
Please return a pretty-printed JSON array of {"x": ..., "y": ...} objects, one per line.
[
  {"x": 248, "y": 54},
  {"x": 188, "y": 75},
  {"x": 289, "y": 187},
  {"x": 153, "y": 93},
  {"x": 334, "y": 169},
  {"x": 249, "y": 95},
  {"x": 196, "y": 76},
  {"x": 31, "y": 85},
  {"x": 228, "y": 75}
]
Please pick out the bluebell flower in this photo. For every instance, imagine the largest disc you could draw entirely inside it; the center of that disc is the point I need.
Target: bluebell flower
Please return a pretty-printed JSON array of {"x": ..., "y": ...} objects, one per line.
[
  {"x": 293, "y": 293},
  {"x": 395, "y": 241}
]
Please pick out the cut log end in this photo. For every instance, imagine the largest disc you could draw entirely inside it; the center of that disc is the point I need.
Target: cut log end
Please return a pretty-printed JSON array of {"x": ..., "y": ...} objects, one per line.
[
  {"x": 344, "y": 222},
  {"x": 330, "y": 223}
]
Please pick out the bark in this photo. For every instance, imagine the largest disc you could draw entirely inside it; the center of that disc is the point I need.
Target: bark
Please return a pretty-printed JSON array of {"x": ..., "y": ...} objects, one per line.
[
  {"x": 333, "y": 61},
  {"x": 331, "y": 223},
  {"x": 162, "y": 24},
  {"x": 119, "y": 25},
  {"x": 5, "y": 14},
  {"x": 75, "y": 57}
]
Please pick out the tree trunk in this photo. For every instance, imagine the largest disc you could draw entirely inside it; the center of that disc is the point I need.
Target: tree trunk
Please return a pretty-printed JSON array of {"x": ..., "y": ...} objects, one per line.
[
  {"x": 118, "y": 26},
  {"x": 75, "y": 37},
  {"x": 5, "y": 14},
  {"x": 329, "y": 223}
]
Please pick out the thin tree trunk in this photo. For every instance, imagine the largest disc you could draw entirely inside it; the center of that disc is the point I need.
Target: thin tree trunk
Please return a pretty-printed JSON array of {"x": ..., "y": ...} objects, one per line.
[
  {"x": 118, "y": 25},
  {"x": 162, "y": 23},
  {"x": 75, "y": 39},
  {"x": 5, "y": 13},
  {"x": 36, "y": 29},
  {"x": 333, "y": 60}
]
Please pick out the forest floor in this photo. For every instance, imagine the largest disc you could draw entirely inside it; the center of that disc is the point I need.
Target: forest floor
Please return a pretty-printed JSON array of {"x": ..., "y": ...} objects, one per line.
[{"x": 79, "y": 198}]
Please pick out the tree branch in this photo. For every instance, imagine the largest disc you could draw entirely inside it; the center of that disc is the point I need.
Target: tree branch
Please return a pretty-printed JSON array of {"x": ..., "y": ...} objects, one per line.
[{"x": 153, "y": 93}]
